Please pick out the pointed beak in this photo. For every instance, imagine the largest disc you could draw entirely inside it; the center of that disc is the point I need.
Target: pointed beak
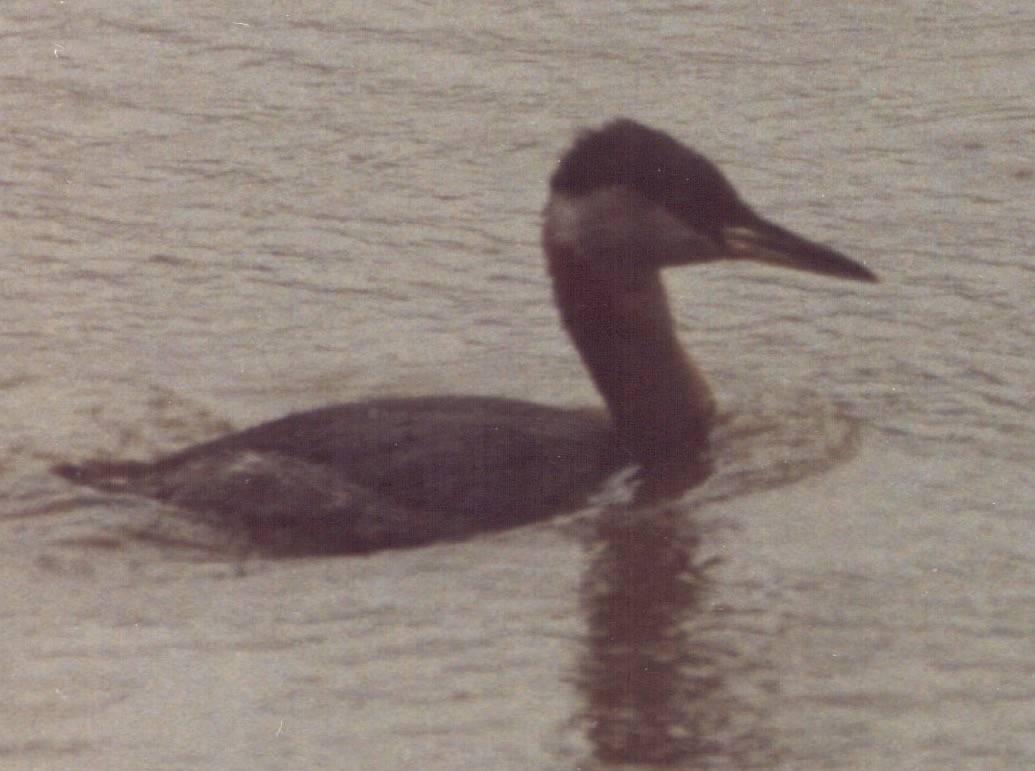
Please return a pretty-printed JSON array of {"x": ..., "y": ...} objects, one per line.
[{"x": 753, "y": 238}]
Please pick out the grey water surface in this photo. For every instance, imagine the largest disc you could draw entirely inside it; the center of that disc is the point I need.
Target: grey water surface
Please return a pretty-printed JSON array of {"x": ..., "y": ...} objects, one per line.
[{"x": 215, "y": 214}]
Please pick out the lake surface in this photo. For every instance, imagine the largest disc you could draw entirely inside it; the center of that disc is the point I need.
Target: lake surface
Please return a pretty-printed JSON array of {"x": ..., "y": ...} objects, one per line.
[{"x": 215, "y": 216}]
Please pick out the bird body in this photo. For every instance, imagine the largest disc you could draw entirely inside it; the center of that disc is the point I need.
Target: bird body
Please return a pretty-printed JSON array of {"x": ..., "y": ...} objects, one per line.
[{"x": 626, "y": 201}]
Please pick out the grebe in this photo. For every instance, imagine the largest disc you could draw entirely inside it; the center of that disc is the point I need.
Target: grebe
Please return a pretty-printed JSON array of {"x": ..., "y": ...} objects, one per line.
[{"x": 625, "y": 201}]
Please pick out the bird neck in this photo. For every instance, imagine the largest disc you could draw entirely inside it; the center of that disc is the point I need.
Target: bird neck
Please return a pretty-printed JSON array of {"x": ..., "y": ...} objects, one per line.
[{"x": 660, "y": 404}]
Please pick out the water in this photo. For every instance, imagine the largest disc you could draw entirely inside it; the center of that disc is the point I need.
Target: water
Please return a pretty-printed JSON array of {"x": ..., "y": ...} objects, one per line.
[{"x": 216, "y": 216}]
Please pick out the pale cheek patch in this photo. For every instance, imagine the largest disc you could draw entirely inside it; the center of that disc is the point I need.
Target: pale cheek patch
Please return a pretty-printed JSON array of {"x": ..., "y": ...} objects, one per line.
[
  {"x": 621, "y": 231},
  {"x": 564, "y": 217}
]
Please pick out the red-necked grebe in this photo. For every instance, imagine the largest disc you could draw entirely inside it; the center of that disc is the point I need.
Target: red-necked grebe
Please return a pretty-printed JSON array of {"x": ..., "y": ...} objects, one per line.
[{"x": 625, "y": 201}]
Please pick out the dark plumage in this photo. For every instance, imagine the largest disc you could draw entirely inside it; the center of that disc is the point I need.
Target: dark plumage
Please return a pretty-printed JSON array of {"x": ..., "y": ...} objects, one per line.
[{"x": 626, "y": 201}]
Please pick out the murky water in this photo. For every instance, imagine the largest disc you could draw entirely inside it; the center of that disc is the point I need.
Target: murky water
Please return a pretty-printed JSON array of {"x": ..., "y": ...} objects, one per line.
[{"x": 213, "y": 216}]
